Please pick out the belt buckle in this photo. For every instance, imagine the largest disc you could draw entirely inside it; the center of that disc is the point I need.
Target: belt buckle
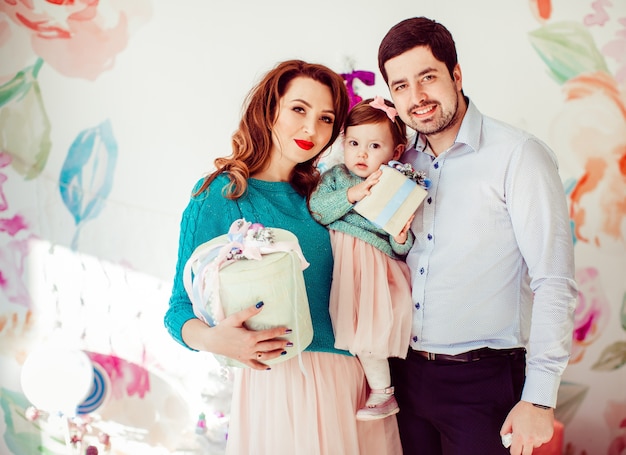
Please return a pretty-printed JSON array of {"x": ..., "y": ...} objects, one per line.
[{"x": 431, "y": 356}]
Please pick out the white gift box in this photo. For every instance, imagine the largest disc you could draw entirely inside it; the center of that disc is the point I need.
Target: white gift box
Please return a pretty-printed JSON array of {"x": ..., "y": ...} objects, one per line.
[
  {"x": 392, "y": 201},
  {"x": 235, "y": 271}
]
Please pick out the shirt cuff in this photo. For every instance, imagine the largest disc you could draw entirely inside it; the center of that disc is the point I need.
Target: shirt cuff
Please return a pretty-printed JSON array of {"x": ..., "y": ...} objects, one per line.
[{"x": 542, "y": 388}]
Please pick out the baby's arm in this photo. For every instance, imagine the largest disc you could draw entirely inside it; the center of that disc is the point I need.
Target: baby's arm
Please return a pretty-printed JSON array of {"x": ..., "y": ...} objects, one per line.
[
  {"x": 360, "y": 190},
  {"x": 329, "y": 202}
]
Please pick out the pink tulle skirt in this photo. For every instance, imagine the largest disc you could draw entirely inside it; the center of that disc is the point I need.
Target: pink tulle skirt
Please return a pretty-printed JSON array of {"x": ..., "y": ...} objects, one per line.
[
  {"x": 370, "y": 300},
  {"x": 283, "y": 411}
]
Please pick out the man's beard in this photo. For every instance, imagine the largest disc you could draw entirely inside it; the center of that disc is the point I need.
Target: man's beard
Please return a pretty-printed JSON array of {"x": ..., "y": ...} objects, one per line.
[{"x": 436, "y": 125}]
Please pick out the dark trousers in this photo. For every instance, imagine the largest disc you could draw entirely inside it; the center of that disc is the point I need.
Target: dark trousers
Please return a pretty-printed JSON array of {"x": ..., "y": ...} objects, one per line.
[{"x": 455, "y": 408}]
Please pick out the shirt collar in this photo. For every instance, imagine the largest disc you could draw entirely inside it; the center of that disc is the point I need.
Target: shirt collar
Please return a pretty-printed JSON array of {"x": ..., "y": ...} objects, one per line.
[{"x": 471, "y": 126}]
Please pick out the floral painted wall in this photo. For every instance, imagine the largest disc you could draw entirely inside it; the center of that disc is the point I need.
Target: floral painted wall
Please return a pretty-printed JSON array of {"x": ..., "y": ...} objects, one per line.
[
  {"x": 111, "y": 110},
  {"x": 589, "y": 131}
]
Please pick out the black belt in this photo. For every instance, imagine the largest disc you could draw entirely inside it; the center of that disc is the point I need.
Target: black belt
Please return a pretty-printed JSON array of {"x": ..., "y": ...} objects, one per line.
[{"x": 469, "y": 356}]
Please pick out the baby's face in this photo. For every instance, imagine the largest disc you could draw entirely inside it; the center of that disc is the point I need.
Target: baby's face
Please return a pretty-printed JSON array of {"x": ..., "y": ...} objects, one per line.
[{"x": 368, "y": 146}]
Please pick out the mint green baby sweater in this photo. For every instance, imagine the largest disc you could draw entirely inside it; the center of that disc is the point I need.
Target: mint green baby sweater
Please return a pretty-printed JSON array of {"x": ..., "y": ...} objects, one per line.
[
  {"x": 330, "y": 206},
  {"x": 273, "y": 204}
]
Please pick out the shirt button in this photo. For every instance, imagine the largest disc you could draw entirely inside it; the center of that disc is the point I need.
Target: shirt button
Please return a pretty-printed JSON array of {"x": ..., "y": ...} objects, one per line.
[
  {"x": 436, "y": 165},
  {"x": 430, "y": 236},
  {"x": 429, "y": 200},
  {"x": 414, "y": 338},
  {"x": 417, "y": 306},
  {"x": 422, "y": 271}
]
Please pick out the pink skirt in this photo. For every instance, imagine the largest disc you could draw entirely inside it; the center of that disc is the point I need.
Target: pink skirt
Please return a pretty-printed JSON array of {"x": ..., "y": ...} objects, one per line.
[
  {"x": 370, "y": 300},
  {"x": 282, "y": 411}
]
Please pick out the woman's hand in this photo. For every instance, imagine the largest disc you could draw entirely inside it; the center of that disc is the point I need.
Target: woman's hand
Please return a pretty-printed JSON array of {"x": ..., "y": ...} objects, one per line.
[
  {"x": 232, "y": 339},
  {"x": 404, "y": 233},
  {"x": 360, "y": 190}
]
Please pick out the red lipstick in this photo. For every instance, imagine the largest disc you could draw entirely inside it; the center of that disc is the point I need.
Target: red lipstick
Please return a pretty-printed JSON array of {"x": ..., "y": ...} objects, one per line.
[{"x": 305, "y": 145}]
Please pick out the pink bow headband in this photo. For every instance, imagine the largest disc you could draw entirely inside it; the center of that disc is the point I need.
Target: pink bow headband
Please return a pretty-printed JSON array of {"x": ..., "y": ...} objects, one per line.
[{"x": 379, "y": 103}]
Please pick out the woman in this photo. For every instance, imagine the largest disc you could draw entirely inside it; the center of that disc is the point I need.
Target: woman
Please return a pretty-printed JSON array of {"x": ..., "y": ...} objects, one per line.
[{"x": 291, "y": 117}]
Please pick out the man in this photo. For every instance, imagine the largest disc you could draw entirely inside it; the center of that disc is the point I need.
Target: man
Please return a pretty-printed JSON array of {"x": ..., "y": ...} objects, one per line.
[{"x": 492, "y": 267}]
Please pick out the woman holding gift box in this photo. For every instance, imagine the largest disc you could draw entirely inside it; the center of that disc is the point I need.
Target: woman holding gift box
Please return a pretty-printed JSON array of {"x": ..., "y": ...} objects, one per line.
[
  {"x": 370, "y": 299},
  {"x": 305, "y": 404}
]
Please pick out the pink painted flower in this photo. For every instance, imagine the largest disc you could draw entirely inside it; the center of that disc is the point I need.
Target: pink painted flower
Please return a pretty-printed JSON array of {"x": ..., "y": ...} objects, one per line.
[
  {"x": 592, "y": 130},
  {"x": 16, "y": 52},
  {"x": 592, "y": 312},
  {"x": 615, "y": 416},
  {"x": 78, "y": 38},
  {"x": 600, "y": 16},
  {"x": 127, "y": 378},
  {"x": 13, "y": 279}
]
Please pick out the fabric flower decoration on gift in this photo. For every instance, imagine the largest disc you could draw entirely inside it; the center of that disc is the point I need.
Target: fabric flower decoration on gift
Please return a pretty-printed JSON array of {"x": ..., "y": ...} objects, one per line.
[
  {"x": 250, "y": 264},
  {"x": 406, "y": 169}
]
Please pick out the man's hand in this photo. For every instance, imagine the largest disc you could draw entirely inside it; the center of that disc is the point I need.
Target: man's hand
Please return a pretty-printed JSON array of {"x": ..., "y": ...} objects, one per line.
[{"x": 530, "y": 426}]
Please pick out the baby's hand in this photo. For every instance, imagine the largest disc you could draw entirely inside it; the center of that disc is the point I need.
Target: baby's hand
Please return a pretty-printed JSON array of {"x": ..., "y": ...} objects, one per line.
[
  {"x": 360, "y": 190},
  {"x": 404, "y": 233}
]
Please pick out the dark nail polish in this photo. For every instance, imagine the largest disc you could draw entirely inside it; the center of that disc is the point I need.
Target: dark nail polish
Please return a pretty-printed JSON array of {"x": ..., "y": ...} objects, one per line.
[
  {"x": 289, "y": 344},
  {"x": 288, "y": 331},
  {"x": 259, "y": 305},
  {"x": 267, "y": 369},
  {"x": 283, "y": 353}
]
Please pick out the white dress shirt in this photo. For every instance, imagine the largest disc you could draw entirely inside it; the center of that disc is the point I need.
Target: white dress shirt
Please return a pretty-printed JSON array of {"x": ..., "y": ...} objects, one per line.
[{"x": 493, "y": 262}]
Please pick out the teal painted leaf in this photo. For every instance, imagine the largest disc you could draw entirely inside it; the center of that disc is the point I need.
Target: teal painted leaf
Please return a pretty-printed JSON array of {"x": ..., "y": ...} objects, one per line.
[
  {"x": 568, "y": 49},
  {"x": 24, "y": 123},
  {"x": 570, "y": 396},
  {"x": 87, "y": 174},
  {"x": 612, "y": 357},
  {"x": 21, "y": 436},
  {"x": 20, "y": 84}
]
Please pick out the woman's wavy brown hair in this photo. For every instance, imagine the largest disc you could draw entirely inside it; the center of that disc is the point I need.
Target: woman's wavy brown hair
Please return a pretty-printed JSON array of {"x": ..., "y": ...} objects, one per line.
[{"x": 252, "y": 141}]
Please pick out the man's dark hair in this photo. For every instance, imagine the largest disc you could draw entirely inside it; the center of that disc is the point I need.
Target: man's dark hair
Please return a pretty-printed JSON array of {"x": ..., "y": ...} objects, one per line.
[{"x": 414, "y": 32}]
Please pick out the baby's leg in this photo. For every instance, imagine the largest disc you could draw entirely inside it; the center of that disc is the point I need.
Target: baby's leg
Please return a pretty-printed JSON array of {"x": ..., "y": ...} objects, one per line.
[
  {"x": 376, "y": 371},
  {"x": 380, "y": 402}
]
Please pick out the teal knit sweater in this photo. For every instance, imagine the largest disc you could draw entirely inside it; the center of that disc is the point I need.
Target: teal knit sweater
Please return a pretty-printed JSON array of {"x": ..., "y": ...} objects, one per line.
[
  {"x": 273, "y": 204},
  {"x": 330, "y": 206}
]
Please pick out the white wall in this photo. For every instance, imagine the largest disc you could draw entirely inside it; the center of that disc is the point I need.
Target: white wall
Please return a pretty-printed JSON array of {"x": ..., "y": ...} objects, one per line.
[{"x": 174, "y": 95}]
